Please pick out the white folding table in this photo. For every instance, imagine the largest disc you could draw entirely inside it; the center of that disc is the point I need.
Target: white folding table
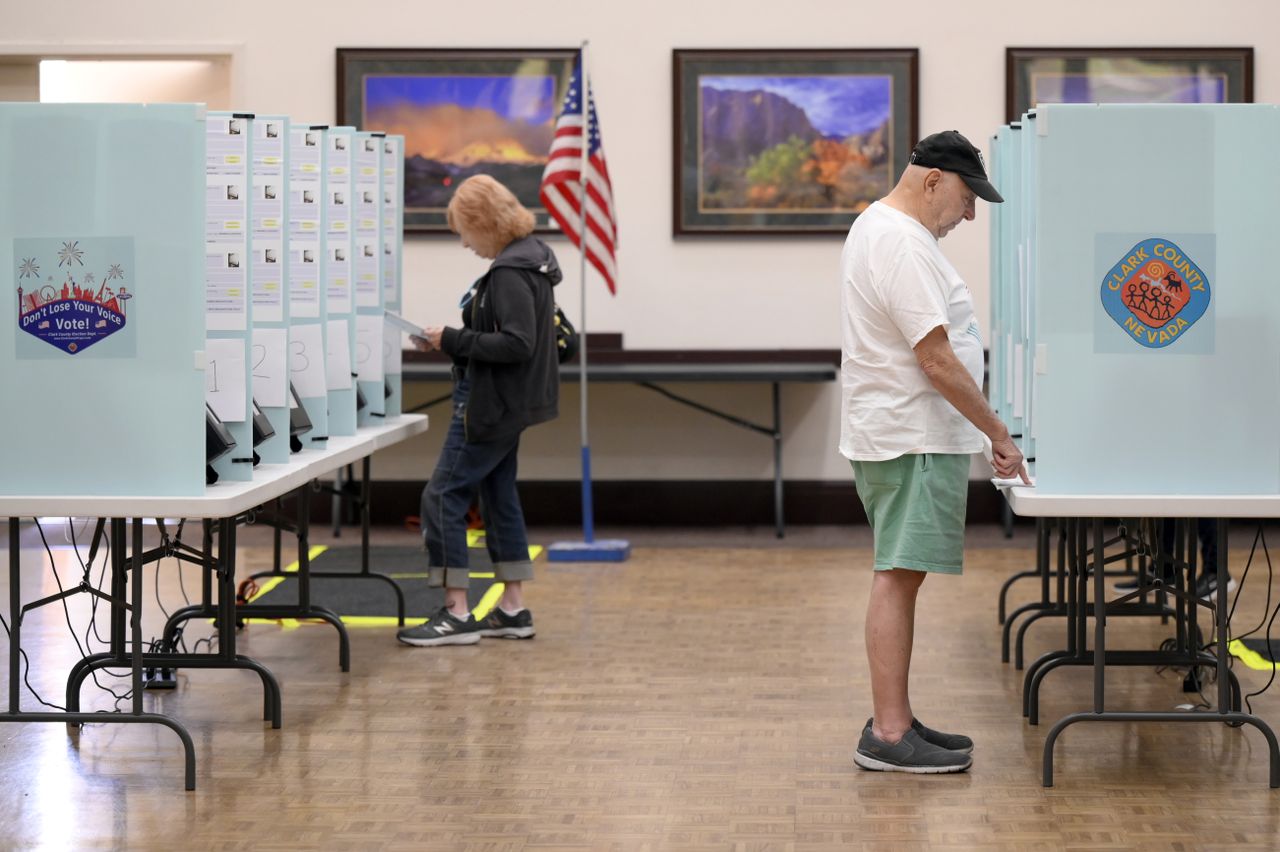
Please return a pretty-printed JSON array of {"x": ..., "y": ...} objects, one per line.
[
  {"x": 1031, "y": 502},
  {"x": 222, "y": 502}
]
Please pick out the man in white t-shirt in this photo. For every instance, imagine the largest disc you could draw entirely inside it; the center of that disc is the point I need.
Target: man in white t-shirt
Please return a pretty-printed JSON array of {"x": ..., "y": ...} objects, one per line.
[{"x": 912, "y": 413}]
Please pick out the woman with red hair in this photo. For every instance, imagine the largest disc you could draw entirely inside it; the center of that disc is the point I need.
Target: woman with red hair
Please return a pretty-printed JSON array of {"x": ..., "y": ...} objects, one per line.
[{"x": 506, "y": 378}]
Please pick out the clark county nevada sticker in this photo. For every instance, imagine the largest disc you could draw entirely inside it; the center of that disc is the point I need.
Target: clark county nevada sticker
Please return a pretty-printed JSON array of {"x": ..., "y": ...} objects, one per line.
[
  {"x": 1155, "y": 293},
  {"x": 78, "y": 300}
]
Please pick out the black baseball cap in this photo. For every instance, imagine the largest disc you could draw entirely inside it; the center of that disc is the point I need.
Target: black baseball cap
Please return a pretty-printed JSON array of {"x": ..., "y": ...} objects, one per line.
[{"x": 951, "y": 152}]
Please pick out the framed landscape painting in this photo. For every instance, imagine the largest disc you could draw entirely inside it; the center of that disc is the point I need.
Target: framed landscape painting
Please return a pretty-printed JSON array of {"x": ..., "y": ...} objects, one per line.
[
  {"x": 1113, "y": 75},
  {"x": 788, "y": 141},
  {"x": 462, "y": 113}
]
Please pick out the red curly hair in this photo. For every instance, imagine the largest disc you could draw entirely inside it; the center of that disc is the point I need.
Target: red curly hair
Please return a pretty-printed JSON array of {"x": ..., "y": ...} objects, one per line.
[{"x": 490, "y": 212}]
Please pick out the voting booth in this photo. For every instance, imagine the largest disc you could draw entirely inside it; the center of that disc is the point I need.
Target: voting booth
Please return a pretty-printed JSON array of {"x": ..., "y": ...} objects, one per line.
[
  {"x": 102, "y": 221},
  {"x": 172, "y": 268},
  {"x": 1135, "y": 348}
]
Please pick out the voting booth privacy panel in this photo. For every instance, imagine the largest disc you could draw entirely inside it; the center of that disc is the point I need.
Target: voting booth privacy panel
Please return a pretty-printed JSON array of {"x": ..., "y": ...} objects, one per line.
[
  {"x": 307, "y": 318},
  {"x": 367, "y": 188},
  {"x": 102, "y": 218},
  {"x": 268, "y": 353},
  {"x": 164, "y": 262},
  {"x": 392, "y": 266},
  {"x": 229, "y": 209},
  {"x": 1136, "y": 348}
]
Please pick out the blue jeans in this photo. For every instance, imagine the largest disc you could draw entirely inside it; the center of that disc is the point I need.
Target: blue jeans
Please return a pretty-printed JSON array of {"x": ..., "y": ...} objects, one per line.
[{"x": 463, "y": 472}]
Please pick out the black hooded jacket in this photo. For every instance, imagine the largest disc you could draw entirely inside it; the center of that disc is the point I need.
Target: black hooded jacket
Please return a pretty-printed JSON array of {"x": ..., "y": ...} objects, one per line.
[{"x": 508, "y": 343}]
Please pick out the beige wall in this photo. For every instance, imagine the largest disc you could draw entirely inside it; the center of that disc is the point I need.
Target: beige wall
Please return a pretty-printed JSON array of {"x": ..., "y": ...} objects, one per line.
[{"x": 677, "y": 294}]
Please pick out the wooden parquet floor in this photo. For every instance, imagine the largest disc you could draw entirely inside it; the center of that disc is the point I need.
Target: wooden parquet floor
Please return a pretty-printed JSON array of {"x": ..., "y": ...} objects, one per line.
[{"x": 699, "y": 698}]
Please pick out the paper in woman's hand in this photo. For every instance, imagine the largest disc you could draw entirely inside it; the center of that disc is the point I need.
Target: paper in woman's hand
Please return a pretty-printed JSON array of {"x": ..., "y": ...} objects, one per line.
[{"x": 406, "y": 326}]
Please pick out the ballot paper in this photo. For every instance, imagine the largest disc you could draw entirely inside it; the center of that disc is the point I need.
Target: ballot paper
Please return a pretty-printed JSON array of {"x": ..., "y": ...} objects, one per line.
[
  {"x": 406, "y": 326},
  {"x": 1015, "y": 482}
]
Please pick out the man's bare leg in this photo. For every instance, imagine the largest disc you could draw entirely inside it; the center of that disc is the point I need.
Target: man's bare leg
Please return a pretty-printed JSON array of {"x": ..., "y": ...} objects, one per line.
[{"x": 891, "y": 619}]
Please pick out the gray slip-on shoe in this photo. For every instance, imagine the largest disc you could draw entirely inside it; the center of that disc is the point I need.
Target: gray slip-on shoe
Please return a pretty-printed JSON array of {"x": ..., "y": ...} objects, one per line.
[
  {"x": 909, "y": 754},
  {"x": 951, "y": 742}
]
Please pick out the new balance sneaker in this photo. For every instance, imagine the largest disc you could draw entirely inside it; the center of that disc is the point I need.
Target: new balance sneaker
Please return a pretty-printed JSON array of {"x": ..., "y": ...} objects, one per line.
[
  {"x": 1207, "y": 585},
  {"x": 909, "y": 754},
  {"x": 951, "y": 742},
  {"x": 443, "y": 628},
  {"x": 498, "y": 624}
]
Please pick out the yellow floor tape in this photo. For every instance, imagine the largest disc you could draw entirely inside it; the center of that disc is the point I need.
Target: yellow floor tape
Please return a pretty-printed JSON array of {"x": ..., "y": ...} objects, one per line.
[
  {"x": 475, "y": 538},
  {"x": 1250, "y": 657}
]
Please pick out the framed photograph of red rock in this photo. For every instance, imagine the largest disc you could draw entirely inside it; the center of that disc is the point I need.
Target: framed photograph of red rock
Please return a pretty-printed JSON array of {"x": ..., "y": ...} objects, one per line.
[
  {"x": 462, "y": 112},
  {"x": 788, "y": 141},
  {"x": 1126, "y": 75}
]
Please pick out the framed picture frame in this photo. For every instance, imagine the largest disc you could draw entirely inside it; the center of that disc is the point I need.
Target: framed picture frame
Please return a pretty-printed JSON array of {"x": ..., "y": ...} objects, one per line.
[
  {"x": 1126, "y": 75},
  {"x": 462, "y": 112},
  {"x": 788, "y": 141}
]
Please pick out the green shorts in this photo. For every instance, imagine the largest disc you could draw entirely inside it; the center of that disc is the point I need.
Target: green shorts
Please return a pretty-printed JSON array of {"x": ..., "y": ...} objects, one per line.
[{"x": 916, "y": 505}]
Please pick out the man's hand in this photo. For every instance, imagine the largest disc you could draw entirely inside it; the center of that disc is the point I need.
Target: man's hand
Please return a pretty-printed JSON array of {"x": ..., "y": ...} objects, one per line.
[
  {"x": 1007, "y": 460},
  {"x": 944, "y": 371}
]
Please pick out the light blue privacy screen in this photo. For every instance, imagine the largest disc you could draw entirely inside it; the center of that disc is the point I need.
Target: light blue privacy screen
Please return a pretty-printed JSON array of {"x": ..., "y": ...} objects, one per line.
[
  {"x": 1009, "y": 374},
  {"x": 269, "y": 352},
  {"x": 998, "y": 147},
  {"x": 1007, "y": 327},
  {"x": 340, "y": 299},
  {"x": 368, "y": 190},
  {"x": 392, "y": 265},
  {"x": 102, "y": 227},
  {"x": 229, "y": 284},
  {"x": 1155, "y": 299},
  {"x": 1027, "y": 272},
  {"x": 307, "y": 316}
]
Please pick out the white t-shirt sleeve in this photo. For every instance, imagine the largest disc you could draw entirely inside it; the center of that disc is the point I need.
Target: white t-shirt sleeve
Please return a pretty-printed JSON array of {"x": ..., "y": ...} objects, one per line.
[{"x": 912, "y": 295}]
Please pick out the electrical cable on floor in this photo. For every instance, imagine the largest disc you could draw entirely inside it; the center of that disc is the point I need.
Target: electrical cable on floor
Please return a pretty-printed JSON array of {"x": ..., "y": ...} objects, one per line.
[
  {"x": 26, "y": 674},
  {"x": 179, "y": 641},
  {"x": 1261, "y": 536},
  {"x": 1170, "y": 645},
  {"x": 159, "y": 602},
  {"x": 1211, "y": 671},
  {"x": 210, "y": 641},
  {"x": 183, "y": 587},
  {"x": 1271, "y": 654},
  {"x": 1267, "y": 620},
  {"x": 154, "y": 645},
  {"x": 93, "y": 605},
  {"x": 67, "y": 613}
]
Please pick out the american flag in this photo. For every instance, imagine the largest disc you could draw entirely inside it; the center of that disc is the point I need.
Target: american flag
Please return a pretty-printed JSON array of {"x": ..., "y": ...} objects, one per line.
[{"x": 561, "y": 182}]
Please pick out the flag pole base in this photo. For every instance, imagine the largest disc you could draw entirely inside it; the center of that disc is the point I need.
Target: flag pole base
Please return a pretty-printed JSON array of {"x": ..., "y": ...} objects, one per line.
[{"x": 601, "y": 550}]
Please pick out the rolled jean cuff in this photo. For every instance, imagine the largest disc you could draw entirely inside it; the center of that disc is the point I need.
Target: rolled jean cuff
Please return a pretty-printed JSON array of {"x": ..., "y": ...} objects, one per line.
[
  {"x": 449, "y": 578},
  {"x": 513, "y": 572}
]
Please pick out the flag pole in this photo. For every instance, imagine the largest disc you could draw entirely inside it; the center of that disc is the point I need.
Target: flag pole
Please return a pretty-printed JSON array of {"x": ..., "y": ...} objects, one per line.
[
  {"x": 587, "y": 550},
  {"x": 588, "y": 514}
]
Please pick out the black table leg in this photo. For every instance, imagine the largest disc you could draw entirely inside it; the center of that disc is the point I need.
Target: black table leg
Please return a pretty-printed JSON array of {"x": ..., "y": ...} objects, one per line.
[
  {"x": 74, "y": 719},
  {"x": 1224, "y": 714},
  {"x": 778, "y": 521}
]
